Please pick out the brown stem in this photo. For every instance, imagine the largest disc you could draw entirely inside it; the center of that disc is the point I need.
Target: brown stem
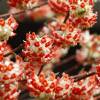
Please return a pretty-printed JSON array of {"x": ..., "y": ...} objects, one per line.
[
  {"x": 66, "y": 17},
  {"x": 21, "y": 11},
  {"x": 98, "y": 94},
  {"x": 14, "y": 50},
  {"x": 59, "y": 64},
  {"x": 83, "y": 76},
  {"x": 40, "y": 70}
]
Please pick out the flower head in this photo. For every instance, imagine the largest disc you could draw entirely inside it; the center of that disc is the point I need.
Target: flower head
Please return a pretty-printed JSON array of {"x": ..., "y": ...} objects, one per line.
[
  {"x": 7, "y": 27},
  {"x": 60, "y": 88},
  {"x": 10, "y": 74},
  {"x": 67, "y": 35},
  {"x": 38, "y": 49}
]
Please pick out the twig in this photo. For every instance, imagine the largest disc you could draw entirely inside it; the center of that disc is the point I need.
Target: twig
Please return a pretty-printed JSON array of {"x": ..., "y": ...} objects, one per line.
[
  {"x": 83, "y": 76},
  {"x": 14, "y": 50},
  {"x": 66, "y": 17},
  {"x": 59, "y": 64},
  {"x": 21, "y": 11},
  {"x": 40, "y": 70}
]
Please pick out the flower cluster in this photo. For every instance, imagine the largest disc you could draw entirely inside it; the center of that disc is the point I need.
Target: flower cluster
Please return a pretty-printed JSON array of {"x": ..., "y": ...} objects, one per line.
[
  {"x": 10, "y": 73},
  {"x": 77, "y": 7},
  {"x": 38, "y": 50},
  {"x": 68, "y": 35},
  {"x": 84, "y": 89},
  {"x": 81, "y": 11},
  {"x": 90, "y": 48},
  {"x": 7, "y": 27},
  {"x": 9, "y": 91},
  {"x": 50, "y": 87},
  {"x": 59, "y": 6},
  {"x": 63, "y": 35},
  {"x": 4, "y": 49},
  {"x": 23, "y": 4}
]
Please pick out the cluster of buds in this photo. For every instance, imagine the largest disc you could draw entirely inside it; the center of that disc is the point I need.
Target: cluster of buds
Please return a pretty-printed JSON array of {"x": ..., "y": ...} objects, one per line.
[
  {"x": 85, "y": 21},
  {"x": 9, "y": 91},
  {"x": 84, "y": 89},
  {"x": 7, "y": 27},
  {"x": 68, "y": 35},
  {"x": 63, "y": 35},
  {"x": 90, "y": 50},
  {"x": 77, "y": 7},
  {"x": 80, "y": 10},
  {"x": 50, "y": 87},
  {"x": 23, "y": 4},
  {"x": 4, "y": 49},
  {"x": 38, "y": 50},
  {"x": 59, "y": 6},
  {"x": 10, "y": 73}
]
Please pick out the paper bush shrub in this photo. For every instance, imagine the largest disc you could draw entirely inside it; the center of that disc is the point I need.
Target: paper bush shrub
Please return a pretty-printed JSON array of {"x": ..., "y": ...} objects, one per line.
[{"x": 32, "y": 68}]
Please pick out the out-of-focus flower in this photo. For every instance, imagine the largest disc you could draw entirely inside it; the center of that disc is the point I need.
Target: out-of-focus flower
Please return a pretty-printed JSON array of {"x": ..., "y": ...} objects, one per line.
[
  {"x": 41, "y": 13},
  {"x": 7, "y": 27},
  {"x": 90, "y": 50},
  {"x": 23, "y": 4}
]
